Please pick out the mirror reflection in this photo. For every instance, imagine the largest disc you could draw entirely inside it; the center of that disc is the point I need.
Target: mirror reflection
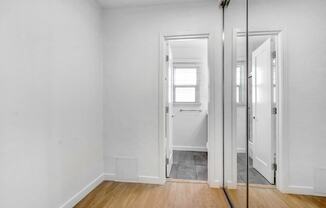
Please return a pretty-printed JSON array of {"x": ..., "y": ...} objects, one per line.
[{"x": 275, "y": 65}]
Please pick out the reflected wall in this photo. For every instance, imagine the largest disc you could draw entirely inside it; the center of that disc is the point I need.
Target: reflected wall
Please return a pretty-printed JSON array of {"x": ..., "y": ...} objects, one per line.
[
  {"x": 275, "y": 131},
  {"x": 294, "y": 142}
]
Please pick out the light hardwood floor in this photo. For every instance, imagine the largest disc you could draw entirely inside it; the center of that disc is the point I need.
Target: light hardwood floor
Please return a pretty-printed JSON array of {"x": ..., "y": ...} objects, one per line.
[
  {"x": 190, "y": 195},
  {"x": 171, "y": 195},
  {"x": 260, "y": 197}
]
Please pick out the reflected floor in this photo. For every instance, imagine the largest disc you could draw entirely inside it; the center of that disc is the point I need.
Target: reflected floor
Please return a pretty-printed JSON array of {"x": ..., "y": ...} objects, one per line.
[
  {"x": 189, "y": 165},
  {"x": 272, "y": 198},
  {"x": 254, "y": 176}
]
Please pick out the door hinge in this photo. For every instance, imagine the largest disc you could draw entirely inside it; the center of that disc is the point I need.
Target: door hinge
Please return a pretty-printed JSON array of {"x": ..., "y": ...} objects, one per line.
[
  {"x": 274, "y": 110},
  {"x": 167, "y": 109},
  {"x": 167, "y": 58},
  {"x": 274, "y": 166},
  {"x": 167, "y": 161},
  {"x": 274, "y": 54}
]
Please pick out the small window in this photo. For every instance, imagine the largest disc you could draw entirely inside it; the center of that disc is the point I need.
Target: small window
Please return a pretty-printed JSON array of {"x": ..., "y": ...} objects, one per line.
[
  {"x": 185, "y": 84},
  {"x": 240, "y": 83}
]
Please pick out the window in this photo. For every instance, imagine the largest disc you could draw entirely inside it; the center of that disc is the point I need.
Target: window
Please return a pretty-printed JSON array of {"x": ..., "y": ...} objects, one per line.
[
  {"x": 185, "y": 85},
  {"x": 240, "y": 83}
]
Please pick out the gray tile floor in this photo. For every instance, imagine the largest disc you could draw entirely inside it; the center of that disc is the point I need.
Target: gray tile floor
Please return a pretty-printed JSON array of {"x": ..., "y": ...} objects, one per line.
[
  {"x": 254, "y": 176},
  {"x": 189, "y": 165}
]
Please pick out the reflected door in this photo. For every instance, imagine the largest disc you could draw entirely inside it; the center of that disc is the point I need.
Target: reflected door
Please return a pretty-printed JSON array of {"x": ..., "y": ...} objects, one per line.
[{"x": 262, "y": 110}]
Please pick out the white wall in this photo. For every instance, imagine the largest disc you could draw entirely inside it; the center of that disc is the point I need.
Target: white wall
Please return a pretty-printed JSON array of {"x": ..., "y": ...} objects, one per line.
[
  {"x": 304, "y": 113},
  {"x": 190, "y": 128},
  {"x": 51, "y": 106},
  {"x": 131, "y": 75}
]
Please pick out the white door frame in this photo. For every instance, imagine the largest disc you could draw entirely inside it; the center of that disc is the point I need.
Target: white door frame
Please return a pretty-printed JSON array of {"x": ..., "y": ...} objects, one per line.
[
  {"x": 214, "y": 148},
  {"x": 281, "y": 155}
]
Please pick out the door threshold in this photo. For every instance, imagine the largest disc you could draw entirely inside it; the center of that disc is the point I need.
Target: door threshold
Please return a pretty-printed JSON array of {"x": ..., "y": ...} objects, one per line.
[
  {"x": 259, "y": 185},
  {"x": 185, "y": 181}
]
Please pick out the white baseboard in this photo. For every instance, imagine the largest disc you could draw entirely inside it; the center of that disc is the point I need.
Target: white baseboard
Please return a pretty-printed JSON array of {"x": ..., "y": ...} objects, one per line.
[
  {"x": 303, "y": 190},
  {"x": 109, "y": 177},
  {"x": 190, "y": 148},
  {"x": 141, "y": 179},
  {"x": 231, "y": 184},
  {"x": 82, "y": 193},
  {"x": 241, "y": 150},
  {"x": 151, "y": 180},
  {"x": 215, "y": 184}
]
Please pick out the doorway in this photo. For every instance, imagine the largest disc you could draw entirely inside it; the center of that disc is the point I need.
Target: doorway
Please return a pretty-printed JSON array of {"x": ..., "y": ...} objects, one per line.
[
  {"x": 186, "y": 93},
  {"x": 263, "y": 87}
]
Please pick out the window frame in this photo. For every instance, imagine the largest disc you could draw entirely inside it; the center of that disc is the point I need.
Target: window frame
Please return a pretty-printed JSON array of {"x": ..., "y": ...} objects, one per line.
[
  {"x": 242, "y": 85},
  {"x": 197, "y": 86}
]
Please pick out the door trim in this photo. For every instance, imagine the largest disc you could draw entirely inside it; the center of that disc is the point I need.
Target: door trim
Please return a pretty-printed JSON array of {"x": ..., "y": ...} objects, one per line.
[{"x": 214, "y": 149}]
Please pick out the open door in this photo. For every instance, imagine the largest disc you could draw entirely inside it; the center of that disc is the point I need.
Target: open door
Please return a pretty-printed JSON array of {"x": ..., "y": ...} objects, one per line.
[
  {"x": 262, "y": 104},
  {"x": 169, "y": 114}
]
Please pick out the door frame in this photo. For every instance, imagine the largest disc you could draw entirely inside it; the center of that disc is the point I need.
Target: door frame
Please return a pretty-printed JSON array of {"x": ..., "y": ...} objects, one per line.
[
  {"x": 281, "y": 155},
  {"x": 213, "y": 149}
]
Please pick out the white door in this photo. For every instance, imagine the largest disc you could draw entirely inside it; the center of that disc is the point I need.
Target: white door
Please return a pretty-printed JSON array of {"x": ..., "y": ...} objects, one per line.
[
  {"x": 263, "y": 151},
  {"x": 169, "y": 109}
]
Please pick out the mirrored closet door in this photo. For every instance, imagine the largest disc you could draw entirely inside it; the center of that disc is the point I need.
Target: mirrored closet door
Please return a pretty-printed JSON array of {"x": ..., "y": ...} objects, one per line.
[
  {"x": 274, "y": 103},
  {"x": 235, "y": 99}
]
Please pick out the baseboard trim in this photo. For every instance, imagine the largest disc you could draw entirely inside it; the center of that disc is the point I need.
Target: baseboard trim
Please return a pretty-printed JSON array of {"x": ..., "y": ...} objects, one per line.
[
  {"x": 303, "y": 190},
  {"x": 141, "y": 179},
  {"x": 82, "y": 193},
  {"x": 190, "y": 148},
  {"x": 185, "y": 181},
  {"x": 151, "y": 180},
  {"x": 109, "y": 177},
  {"x": 215, "y": 184},
  {"x": 231, "y": 184}
]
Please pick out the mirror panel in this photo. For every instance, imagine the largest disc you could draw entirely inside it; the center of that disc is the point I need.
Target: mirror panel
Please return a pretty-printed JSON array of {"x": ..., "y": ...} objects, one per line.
[
  {"x": 235, "y": 168},
  {"x": 287, "y": 50}
]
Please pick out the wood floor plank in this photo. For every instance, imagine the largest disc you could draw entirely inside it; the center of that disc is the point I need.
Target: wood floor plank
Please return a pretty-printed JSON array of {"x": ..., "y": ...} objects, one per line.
[
  {"x": 170, "y": 195},
  {"x": 260, "y": 197}
]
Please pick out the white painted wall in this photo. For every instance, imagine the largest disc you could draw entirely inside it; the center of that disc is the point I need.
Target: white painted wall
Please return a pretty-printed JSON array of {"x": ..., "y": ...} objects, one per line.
[
  {"x": 190, "y": 128},
  {"x": 51, "y": 105},
  {"x": 131, "y": 75},
  {"x": 140, "y": 3},
  {"x": 304, "y": 43}
]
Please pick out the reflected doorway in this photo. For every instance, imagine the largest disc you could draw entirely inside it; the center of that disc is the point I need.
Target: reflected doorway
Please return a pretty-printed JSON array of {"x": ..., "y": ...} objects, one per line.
[{"x": 264, "y": 63}]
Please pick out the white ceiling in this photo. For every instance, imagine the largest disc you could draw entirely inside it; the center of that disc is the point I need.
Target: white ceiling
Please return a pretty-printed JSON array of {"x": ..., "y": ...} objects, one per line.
[{"x": 131, "y": 3}]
